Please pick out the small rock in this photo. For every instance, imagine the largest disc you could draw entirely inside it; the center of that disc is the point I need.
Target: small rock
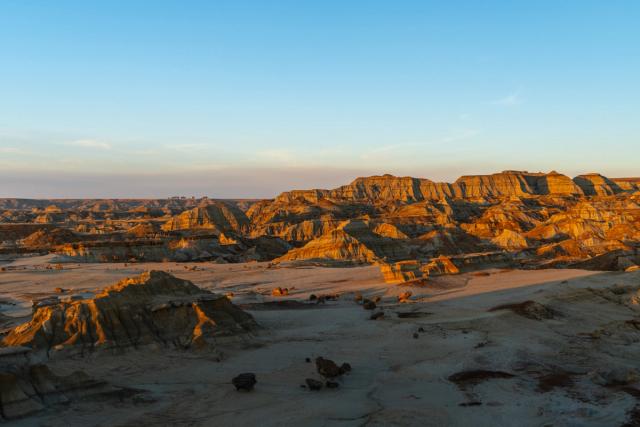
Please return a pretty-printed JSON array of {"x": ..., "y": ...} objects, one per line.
[
  {"x": 357, "y": 297},
  {"x": 345, "y": 367},
  {"x": 332, "y": 384},
  {"x": 59, "y": 290},
  {"x": 308, "y": 360},
  {"x": 313, "y": 384},
  {"x": 404, "y": 296},
  {"x": 279, "y": 292},
  {"x": 244, "y": 381},
  {"x": 327, "y": 368},
  {"x": 378, "y": 315},
  {"x": 313, "y": 297},
  {"x": 415, "y": 335},
  {"x": 377, "y": 299},
  {"x": 420, "y": 329},
  {"x": 368, "y": 304}
]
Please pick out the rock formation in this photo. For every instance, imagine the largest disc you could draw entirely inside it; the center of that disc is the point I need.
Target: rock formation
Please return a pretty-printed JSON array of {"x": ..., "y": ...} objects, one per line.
[
  {"x": 27, "y": 387},
  {"x": 153, "y": 308},
  {"x": 217, "y": 216},
  {"x": 535, "y": 218}
]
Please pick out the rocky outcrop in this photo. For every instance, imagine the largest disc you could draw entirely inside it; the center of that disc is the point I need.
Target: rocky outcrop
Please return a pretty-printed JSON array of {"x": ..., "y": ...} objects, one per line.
[
  {"x": 336, "y": 246},
  {"x": 48, "y": 237},
  {"x": 440, "y": 265},
  {"x": 153, "y": 308},
  {"x": 400, "y": 272},
  {"x": 213, "y": 216},
  {"x": 510, "y": 240},
  {"x": 383, "y": 219},
  {"x": 351, "y": 242},
  {"x": 594, "y": 184},
  {"x": 627, "y": 184},
  {"x": 26, "y": 389}
]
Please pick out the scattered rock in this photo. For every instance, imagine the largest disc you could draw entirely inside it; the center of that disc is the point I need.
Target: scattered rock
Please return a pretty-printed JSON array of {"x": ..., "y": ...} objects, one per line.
[
  {"x": 244, "y": 382},
  {"x": 472, "y": 403},
  {"x": 378, "y": 315},
  {"x": 332, "y": 384},
  {"x": 314, "y": 385},
  {"x": 329, "y": 297},
  {"x": 404, "y": 296},
  {"x": 368, "y": 304},
  {"x": 279, "y": 292},
  {"x": 329, "y": 369}
]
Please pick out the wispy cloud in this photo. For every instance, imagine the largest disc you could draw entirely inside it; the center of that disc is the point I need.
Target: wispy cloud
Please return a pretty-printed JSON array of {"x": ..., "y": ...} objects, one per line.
[
  {"x": 90, "y": 143},
  {"x": 511, "y": 100}
]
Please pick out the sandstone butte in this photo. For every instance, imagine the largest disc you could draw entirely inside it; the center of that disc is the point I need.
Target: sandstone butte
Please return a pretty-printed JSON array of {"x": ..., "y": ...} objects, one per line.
[{"x": 508, "y": 218}]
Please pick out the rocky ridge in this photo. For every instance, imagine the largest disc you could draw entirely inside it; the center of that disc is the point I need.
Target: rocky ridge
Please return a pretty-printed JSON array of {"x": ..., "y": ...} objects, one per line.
[{"x": 545, "y": 219}]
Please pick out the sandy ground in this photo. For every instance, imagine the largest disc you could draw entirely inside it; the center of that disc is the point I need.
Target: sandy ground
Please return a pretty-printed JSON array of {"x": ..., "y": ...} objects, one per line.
[{"x": 401, "y": 365}]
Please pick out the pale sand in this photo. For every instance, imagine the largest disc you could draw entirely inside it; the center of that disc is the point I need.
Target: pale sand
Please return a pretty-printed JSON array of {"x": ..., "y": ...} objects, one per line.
[{"x": 396, "y": 379}]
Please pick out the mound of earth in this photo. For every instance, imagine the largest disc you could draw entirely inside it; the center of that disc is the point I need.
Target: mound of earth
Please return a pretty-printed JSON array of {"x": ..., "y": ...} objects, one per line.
[
  {"x": 214, "y": 215},
  {"x": 45, "y": 238},
  {"x": 153, "y": 308}
]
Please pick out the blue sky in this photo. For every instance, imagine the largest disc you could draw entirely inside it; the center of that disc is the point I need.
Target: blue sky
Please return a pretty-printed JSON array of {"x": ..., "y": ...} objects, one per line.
[{"x": 250, "y": 98}]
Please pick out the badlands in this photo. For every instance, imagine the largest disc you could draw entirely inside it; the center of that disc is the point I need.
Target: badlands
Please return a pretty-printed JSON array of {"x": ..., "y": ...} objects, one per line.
[{"x": 496, "y": 300}]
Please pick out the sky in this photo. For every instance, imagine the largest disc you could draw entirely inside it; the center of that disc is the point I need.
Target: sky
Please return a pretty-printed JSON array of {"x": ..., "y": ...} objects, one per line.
[{"x": 251, "y": 98}]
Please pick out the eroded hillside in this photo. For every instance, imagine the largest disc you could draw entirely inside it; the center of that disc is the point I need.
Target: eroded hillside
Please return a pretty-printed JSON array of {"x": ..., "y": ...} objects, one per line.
[{"x": 530, "y": 219}]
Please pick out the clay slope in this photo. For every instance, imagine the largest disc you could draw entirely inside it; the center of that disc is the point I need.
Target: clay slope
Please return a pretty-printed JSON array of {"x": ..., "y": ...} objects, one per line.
[
  {"x": 26, "y": 389},
  {"x": 153, "y": 308},
  {"x": 351, "y": 242},
  {"x": 217, "y": 216}
]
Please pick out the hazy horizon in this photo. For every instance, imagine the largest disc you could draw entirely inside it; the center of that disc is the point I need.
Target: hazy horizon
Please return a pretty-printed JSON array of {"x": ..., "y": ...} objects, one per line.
[
  {"x": 249, "y": 99},
  {"x": 224, "y": 184}
]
